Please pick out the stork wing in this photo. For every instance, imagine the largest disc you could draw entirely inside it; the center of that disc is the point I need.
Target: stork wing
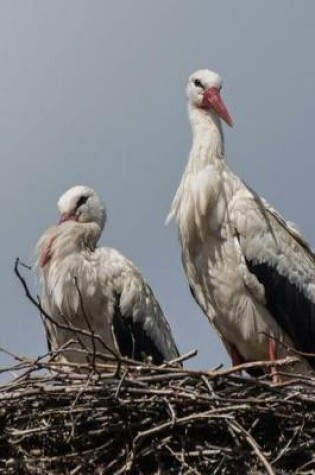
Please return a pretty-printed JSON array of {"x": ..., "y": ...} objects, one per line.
[
  {"x": 283, "y": 263},
  {"x": 145, "y": 334},
  {"x": 139, "y": 326}
]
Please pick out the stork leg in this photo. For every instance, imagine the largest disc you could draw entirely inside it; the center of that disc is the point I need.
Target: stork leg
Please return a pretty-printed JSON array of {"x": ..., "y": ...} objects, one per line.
[
  {"x": 236, "y": 357},
  {"x": 272, "y": 353}
]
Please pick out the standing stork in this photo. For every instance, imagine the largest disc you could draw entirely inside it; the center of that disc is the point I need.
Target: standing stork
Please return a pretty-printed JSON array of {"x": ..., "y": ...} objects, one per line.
[
  {"x": 250, "y": 271},
  {"x": 97, "y": 290}
]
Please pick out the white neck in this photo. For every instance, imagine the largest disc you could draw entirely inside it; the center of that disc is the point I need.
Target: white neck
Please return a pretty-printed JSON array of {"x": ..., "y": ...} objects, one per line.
[
  {"x": 61, "y": 241},
  {"x": 208, "y": 140},
  {"x": 81, "y": 236},
  {"x": 207, "y": 148}
]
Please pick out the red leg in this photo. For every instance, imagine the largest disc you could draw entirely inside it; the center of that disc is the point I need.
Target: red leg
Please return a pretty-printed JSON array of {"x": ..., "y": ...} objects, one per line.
[
  {"x": 272, "y": 353},
  {"x": 237, "y": 359},
  {"x": 235, "y": 355}
]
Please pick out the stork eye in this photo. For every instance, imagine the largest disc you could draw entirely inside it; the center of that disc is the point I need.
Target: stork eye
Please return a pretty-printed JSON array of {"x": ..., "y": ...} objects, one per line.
[
  {"x": 81, "y": 201},
  {"x": 198, "y": 83}
]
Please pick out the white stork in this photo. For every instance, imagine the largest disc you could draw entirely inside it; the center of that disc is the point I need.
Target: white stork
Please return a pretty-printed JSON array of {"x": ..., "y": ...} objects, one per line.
[
  {"x": 250, "y": 271},
  {"x": 97, "y": 289}
]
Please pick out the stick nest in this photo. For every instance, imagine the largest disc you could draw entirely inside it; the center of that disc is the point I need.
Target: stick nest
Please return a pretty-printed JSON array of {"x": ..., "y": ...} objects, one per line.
[
  {"x": 126, "y": 417},
  {"x": 140, "y": 419}
]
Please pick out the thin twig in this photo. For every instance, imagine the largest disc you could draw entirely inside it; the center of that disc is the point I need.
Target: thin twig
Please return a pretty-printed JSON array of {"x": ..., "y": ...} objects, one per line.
[{"x": 252, "y": 442}]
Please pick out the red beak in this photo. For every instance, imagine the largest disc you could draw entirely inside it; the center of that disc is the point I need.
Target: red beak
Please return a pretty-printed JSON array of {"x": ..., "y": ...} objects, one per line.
[
  {"x": 212, "y": 99},
  {"x": 66, "y": 217}
]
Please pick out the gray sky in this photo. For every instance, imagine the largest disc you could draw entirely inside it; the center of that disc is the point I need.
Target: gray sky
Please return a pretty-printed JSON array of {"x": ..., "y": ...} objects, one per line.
[{"x": 92, "y": 92}]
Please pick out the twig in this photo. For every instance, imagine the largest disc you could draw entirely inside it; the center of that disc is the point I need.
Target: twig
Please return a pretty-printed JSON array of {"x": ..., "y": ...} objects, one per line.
[{"x": 252, "y": 442}]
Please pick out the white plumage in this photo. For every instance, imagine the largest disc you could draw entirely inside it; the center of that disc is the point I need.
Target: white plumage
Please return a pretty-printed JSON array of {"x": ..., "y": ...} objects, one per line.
[
  {"x": 251, "y": 272},
  {"x": 97, "y": 289}
]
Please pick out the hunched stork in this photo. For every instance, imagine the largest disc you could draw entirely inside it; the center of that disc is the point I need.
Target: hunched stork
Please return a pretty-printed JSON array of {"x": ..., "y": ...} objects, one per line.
[
  {"x": 96, "y": 289},
  {"x": 250, "y": 271}
]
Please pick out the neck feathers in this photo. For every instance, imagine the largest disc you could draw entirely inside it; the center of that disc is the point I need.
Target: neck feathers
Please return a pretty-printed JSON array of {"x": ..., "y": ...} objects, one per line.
[
  {"x": 207, "y": 149},
  {"x": 61, "y": 241},
  {"x": 208, "y": 140}
]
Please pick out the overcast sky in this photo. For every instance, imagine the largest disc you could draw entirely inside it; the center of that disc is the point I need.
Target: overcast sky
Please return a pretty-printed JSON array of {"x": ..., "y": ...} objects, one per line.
[{"x": 92, "y": 92}]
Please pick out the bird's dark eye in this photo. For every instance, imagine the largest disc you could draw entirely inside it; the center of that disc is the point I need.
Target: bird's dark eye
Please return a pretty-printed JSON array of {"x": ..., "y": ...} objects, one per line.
[
  {"x": 198, "y": 83},
  {"x": 83, "y": 199}
]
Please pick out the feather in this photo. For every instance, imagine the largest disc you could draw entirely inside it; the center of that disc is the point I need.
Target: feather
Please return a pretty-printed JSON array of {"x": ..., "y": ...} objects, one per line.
[{"x": 289, "y": 306}]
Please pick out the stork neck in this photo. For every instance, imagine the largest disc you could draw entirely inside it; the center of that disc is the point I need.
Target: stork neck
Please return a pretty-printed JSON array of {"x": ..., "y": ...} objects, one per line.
[
  {"x": 61, "y": 241},
  {"x": 81, "y": 236},
  {"x": 208, "y": 140}
]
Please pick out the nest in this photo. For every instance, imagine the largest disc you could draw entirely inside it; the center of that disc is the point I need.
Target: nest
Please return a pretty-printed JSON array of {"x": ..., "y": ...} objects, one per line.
[
  {"x": 126, "y": 417},
  {"x": 140, "y": 419}
]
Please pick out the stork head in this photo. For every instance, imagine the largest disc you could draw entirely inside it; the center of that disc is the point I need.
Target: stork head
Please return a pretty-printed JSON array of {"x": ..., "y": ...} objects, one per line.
[
  {"x": 83, "y": 205},
  {"x": 203, "y": 91}
]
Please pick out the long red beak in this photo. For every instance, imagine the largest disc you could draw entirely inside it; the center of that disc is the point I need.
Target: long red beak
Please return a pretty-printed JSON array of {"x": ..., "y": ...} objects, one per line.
[
  {"x": 66, "y": 217},
  {"x": 212, "y": 99}
]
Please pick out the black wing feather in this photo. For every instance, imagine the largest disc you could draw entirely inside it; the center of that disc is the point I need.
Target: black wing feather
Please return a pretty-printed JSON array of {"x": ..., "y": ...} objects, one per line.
[
  {"x": 132, "y": 339},
  {"x": 289, "y": 306},
  {"x": 122, "y": 334},
  {"x": 144, "y": 345}
]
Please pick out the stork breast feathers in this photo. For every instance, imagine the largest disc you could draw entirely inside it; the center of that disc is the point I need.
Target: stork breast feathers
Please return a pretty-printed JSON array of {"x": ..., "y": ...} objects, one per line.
[{"x": 198, "y": 192}]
